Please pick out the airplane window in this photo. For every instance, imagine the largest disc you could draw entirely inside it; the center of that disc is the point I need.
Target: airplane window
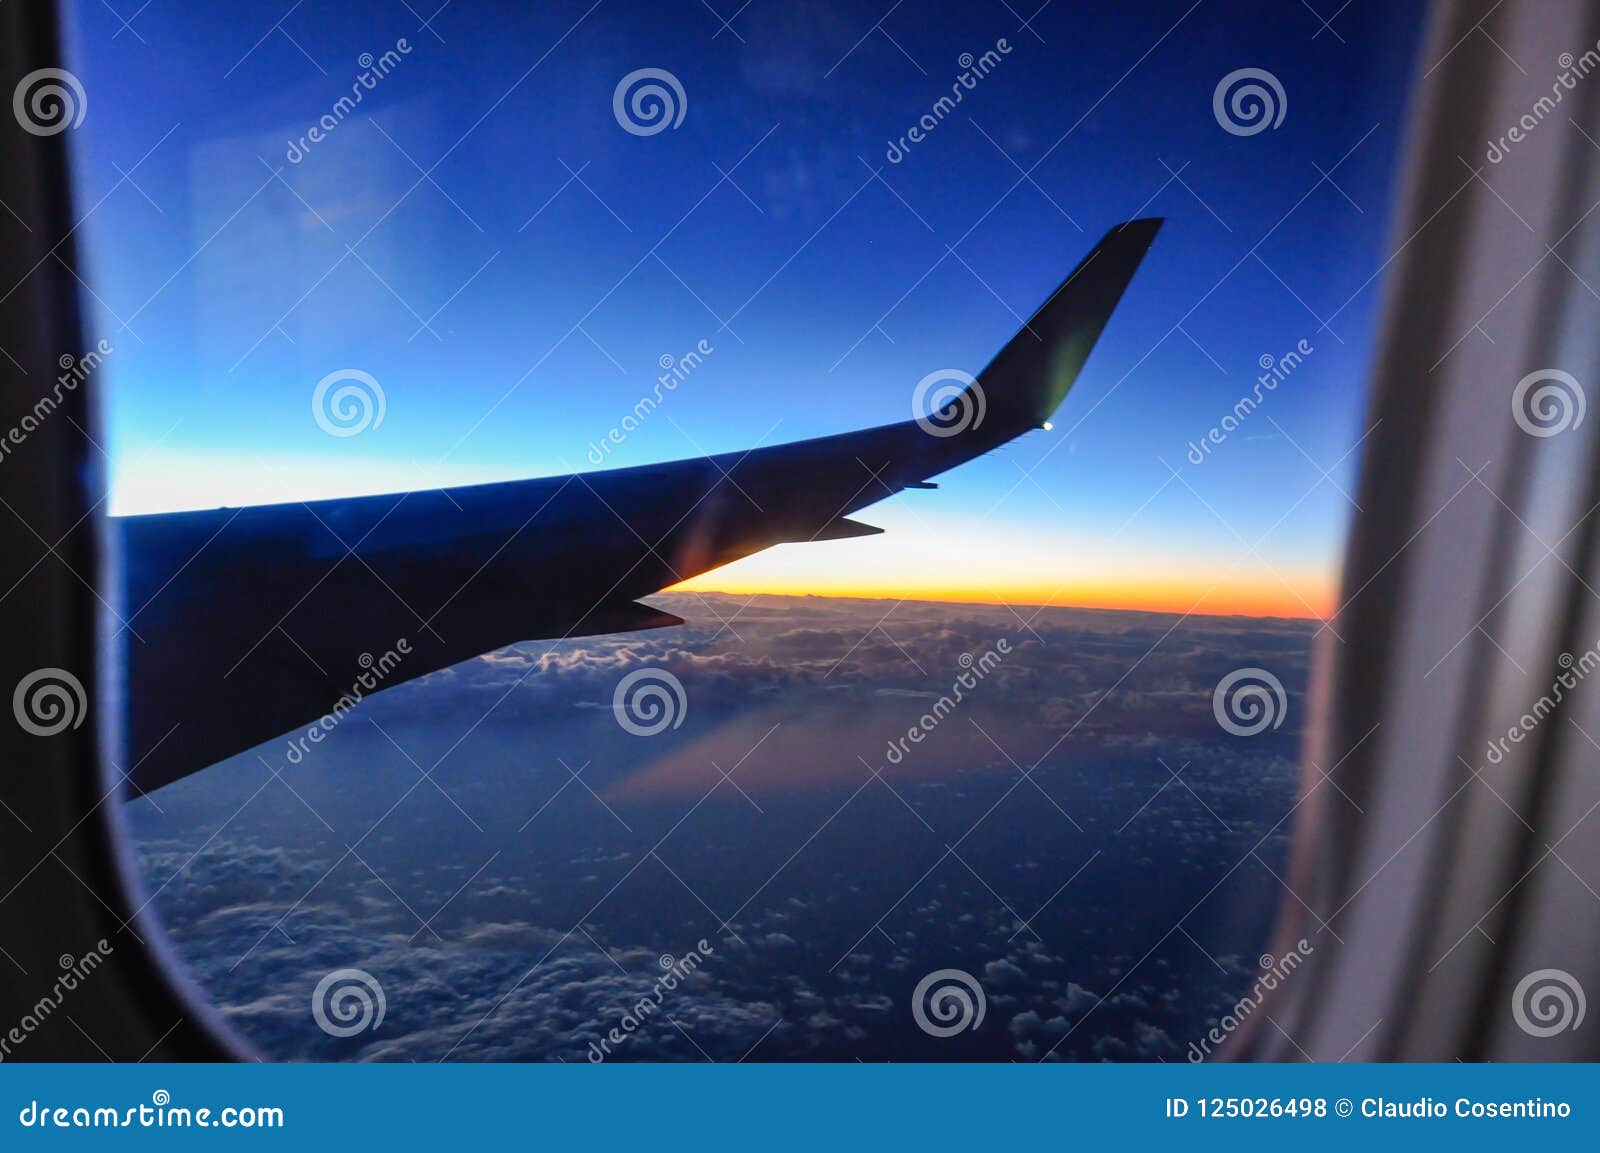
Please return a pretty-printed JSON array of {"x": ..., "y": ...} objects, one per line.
[{"x": 669, "y": 753}]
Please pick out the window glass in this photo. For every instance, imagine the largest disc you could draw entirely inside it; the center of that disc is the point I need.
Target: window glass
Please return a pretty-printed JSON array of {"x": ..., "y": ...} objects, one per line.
[{"x": 1014, "y": 779}]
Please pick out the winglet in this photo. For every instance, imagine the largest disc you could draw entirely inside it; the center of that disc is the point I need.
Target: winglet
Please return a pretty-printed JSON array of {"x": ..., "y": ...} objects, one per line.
[{"x": 1029, "y": 378}]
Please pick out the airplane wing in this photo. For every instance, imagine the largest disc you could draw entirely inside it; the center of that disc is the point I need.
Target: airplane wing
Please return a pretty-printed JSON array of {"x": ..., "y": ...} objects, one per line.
[{"x": 242, "y": 624}]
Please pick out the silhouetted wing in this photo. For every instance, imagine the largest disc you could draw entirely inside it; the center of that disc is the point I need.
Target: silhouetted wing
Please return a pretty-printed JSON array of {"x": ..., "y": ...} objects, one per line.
[{"x": 243, "y": 623}]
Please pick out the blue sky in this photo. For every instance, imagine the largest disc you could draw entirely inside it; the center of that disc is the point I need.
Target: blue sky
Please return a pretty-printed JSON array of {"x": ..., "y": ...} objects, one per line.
[{"x": 514, "y": 303}]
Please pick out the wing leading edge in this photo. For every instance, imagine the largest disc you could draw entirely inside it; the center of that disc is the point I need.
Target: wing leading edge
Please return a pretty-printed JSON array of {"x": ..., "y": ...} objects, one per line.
[{"x": 245, "y": 623}]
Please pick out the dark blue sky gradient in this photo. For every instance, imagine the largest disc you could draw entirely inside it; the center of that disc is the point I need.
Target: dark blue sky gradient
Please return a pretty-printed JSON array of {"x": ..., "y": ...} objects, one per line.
[{"x": 826, "y": 293}]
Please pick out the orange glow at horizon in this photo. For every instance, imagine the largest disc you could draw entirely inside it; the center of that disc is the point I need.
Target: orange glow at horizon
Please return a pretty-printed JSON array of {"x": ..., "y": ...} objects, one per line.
[
  {"x": 1025, "y": 569},
  {"x": 981, "y": 561},
  {"x": 1240, "y": 597}
]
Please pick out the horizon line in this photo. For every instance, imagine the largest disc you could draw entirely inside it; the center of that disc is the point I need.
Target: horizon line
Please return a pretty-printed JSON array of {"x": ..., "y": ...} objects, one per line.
[{"x": 990, "y": 601}]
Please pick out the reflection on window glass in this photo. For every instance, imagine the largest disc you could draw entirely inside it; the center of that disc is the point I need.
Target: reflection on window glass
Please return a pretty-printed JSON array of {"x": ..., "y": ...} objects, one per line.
[{"x": 1015, "y": 778}]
